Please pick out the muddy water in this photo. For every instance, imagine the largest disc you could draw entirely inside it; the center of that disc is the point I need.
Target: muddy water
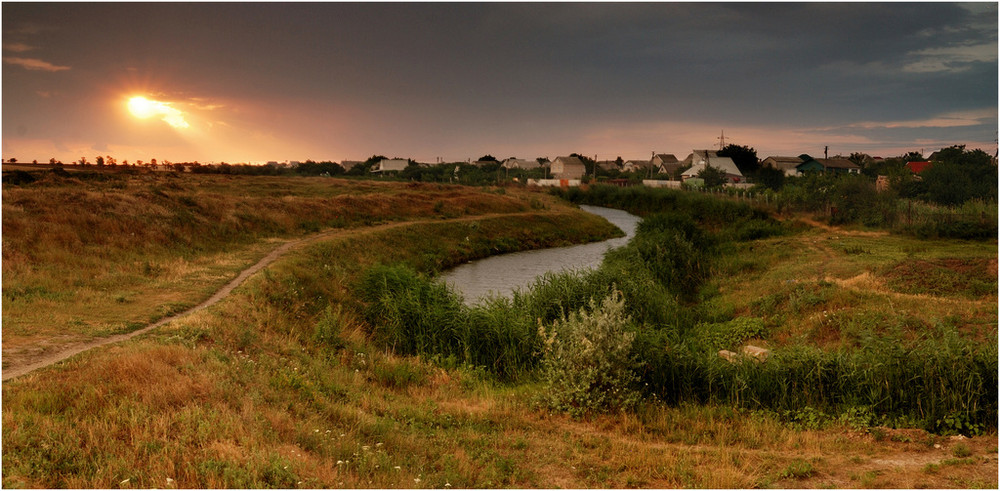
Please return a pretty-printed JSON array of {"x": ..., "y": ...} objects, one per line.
[{"x": 501, "y": 275}]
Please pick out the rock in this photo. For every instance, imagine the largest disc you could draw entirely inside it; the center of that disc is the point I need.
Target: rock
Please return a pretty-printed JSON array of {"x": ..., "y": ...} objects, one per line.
[
  {"x": 728, "y": 355},
  {"x": 756, "y": 352}
]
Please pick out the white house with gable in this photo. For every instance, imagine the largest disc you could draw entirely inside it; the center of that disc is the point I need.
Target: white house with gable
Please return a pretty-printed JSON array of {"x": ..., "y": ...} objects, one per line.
[
  {"x": 389, "y": 165},
  {"x": 567, "y": 168},
  {"x": 700, "y": 159}
]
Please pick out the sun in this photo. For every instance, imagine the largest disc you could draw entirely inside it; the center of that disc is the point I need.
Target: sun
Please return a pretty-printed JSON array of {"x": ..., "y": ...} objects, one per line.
[{"x": 142, "y": 108}]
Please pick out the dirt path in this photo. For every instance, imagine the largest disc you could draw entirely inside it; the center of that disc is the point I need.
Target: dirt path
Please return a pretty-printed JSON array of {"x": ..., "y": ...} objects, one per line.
[{"x": 51, "y": 358}]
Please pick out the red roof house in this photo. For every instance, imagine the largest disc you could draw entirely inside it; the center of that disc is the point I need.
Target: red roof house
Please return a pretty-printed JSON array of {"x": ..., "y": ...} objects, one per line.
[{"x": 917, "y": 167}]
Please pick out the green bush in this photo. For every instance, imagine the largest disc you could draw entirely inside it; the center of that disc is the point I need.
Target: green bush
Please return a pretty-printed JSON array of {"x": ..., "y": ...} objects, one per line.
[{"x": 586, "y": 361}]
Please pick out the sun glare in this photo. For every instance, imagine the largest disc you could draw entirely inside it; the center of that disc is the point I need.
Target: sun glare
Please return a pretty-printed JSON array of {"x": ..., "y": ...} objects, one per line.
[
  {"x": 144, "y": 108},
  {"x": 141, "y": 107}
]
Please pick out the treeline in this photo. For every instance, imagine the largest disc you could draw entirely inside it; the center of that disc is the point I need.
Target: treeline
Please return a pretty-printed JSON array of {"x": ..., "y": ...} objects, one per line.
[{"x": 637, "y": 328}]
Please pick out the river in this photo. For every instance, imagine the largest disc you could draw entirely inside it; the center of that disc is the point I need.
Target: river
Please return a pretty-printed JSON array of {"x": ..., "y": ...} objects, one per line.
[{"x": 502, "y": 274}]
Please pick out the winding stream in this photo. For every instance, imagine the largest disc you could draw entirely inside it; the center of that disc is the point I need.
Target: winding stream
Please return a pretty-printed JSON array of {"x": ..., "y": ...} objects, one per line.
[{"x": 503, "y": 274}]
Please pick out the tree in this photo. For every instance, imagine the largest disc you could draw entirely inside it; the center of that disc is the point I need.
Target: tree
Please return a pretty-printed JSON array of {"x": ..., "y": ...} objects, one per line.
[
  {"x": 913, "y": 157},
  {"x": 487, "y": 158},
  {"x": 771, "y": 178},
  {"x": 713, "y": 176},
  {"x": 100, "y": 161},
  {"x": 12, "y": 160},
  {"x": 960, "y": 175},
  {"x": 860, "y": 159},
  {"x": 743, "y": 156}
]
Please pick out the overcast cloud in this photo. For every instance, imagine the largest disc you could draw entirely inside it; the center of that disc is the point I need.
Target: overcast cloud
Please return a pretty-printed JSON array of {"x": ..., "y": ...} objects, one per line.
[{"x": 345, "y": 81}]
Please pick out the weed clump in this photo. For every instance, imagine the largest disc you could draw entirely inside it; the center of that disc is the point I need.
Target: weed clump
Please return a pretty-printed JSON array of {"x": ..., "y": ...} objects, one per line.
[{"x": 587, "y": 362}]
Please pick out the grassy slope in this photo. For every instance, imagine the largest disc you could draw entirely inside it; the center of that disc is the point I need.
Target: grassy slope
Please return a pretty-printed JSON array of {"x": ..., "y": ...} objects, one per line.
[
  {"x": 95, "y": 254},
  {"x": 254, "y": 393},
  {"x": 827, "y": 287}
]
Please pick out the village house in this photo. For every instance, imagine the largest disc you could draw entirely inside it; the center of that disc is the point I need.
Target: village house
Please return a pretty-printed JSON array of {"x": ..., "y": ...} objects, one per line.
[
  {"x": 836, "y": 165},
  {"x": 636, "y": 166},
  {"x": 525, "y": 164},
  {"x": 665, "y": 163},
  {"x": 567, "y": 168},
  {"x": 699, "y": 156},
  {"x": 917, "y": 167},
  {"x": 700, "y": 159},
  {"x": 608, "y": 165},
  {"x": 784, "y": 164},
  {"x": 390, "y": 165}
]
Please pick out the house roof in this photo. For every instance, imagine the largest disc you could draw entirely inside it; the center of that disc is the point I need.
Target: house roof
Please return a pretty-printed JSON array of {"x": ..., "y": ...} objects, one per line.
[
  {"x": 638, "y": 163},
  {"x": 776, "y": 158},
  {"x": 699, "y": 155},
  {"x": 724, "y": 163},
  {"x": 666, "y": 158},
  {"x": 837, "y": 163},
  {"x": 917, "y": 167},
  {"x": 568, "y": 160},
  {"x": 783, "y": 163}
]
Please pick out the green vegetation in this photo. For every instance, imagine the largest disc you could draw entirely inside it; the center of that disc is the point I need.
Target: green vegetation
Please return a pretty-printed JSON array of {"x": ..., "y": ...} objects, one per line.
[
  {"x": 942, "y": 382},
  {"x": 586, "y": 360}
]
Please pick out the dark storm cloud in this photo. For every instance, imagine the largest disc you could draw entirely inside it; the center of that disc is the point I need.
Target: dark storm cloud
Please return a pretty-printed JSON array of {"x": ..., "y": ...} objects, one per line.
[{"x": 440, "y": 65}]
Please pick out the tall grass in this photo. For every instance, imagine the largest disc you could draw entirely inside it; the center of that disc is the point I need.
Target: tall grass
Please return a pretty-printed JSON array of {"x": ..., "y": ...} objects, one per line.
[{"x": 974, "y": 219}]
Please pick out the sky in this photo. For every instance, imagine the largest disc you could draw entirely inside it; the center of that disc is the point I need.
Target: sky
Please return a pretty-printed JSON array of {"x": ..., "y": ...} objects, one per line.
[{"x": 255, "y": 82}]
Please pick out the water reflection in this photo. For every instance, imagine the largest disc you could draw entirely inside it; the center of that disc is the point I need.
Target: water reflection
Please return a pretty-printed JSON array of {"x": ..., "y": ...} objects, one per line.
[{"x": 505, "y": 273}]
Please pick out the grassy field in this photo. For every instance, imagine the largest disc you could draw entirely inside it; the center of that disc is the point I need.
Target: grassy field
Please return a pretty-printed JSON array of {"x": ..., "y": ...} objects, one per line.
[{"x": 282, "y": 384}]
